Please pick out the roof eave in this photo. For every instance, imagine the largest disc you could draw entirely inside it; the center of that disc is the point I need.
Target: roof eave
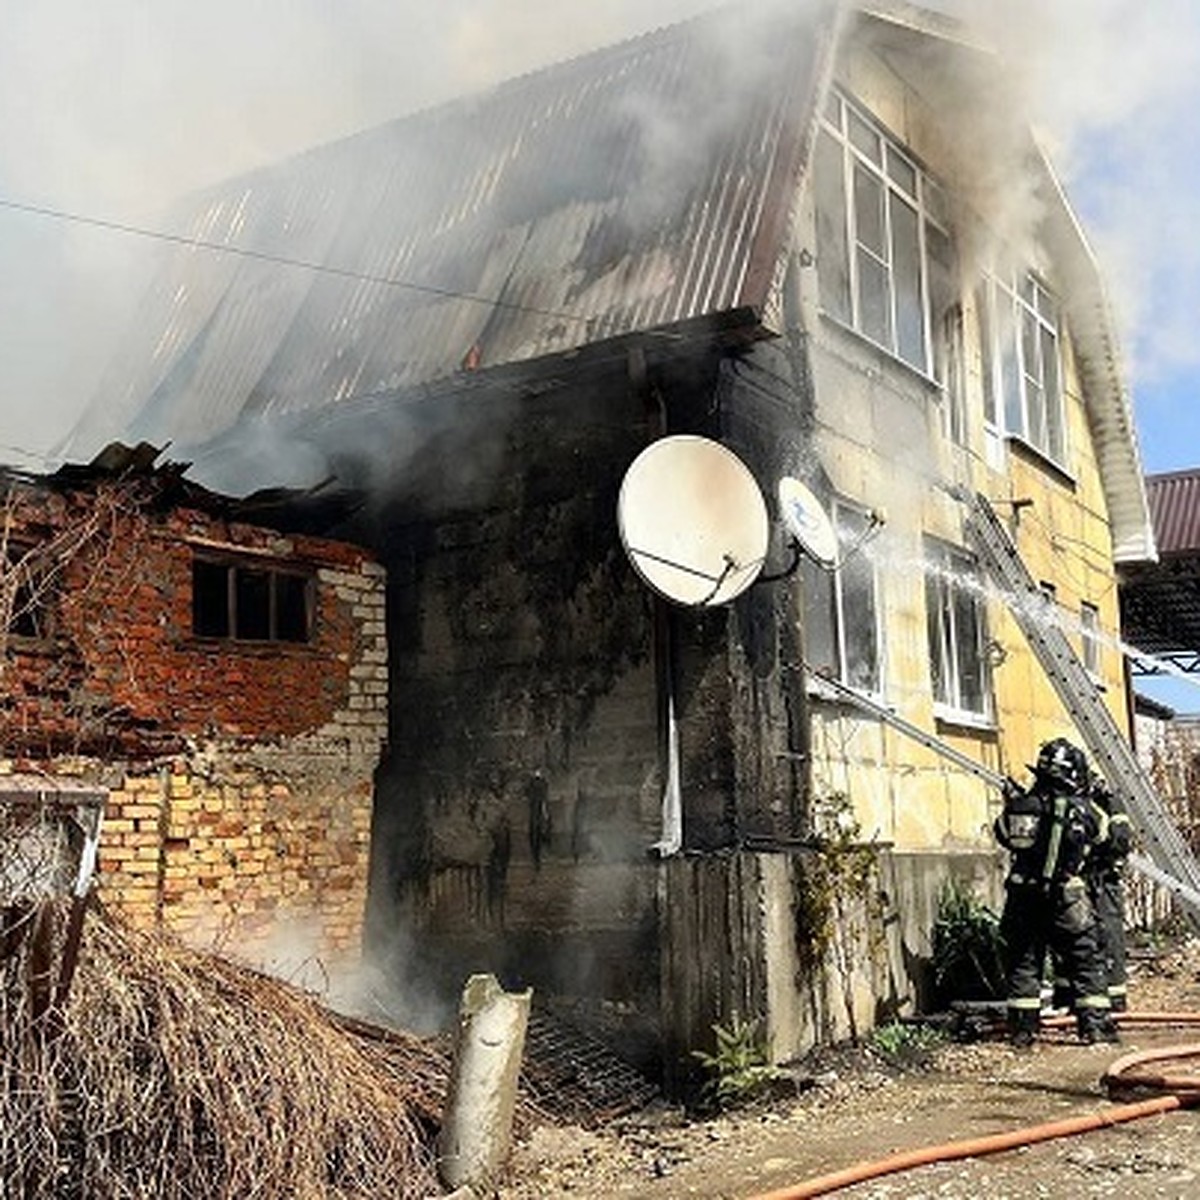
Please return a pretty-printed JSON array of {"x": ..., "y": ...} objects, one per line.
[{"x": 1106, "y": 394}]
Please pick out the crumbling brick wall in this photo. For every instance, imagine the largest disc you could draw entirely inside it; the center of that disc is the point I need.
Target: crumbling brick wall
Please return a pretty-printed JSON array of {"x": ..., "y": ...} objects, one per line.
[{"x": 240, "y": 773}]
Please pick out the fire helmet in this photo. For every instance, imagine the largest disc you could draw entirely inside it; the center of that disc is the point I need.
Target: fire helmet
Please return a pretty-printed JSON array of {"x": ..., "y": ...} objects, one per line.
[{"x": 1063, "y": 765}]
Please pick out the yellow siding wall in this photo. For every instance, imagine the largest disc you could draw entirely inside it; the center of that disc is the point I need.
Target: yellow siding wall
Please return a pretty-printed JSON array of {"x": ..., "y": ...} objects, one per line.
[{"x": 879, "y": 440}]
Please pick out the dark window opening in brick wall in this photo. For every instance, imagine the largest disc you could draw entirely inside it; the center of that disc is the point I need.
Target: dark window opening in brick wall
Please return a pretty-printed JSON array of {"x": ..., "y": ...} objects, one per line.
[{"x": 250, "y": 602}]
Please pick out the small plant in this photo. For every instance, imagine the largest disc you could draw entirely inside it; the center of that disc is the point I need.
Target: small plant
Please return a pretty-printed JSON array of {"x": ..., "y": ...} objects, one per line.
[
  {"x": 905, "y": 1044},
  {"x": 739, "y": 1071},
  {"x": 968, "y": 950}
]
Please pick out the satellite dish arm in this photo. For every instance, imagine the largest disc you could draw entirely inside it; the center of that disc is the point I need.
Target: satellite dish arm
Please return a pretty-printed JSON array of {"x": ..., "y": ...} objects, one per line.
[{"x": 797, "y": 552}]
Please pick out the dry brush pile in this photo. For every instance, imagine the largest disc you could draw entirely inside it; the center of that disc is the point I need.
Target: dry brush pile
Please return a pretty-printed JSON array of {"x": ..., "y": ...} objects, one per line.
[{"x": 176, "y": 1074}]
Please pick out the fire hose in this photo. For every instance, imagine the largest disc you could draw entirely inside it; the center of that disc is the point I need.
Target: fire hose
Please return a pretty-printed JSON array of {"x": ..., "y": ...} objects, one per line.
[{"x": 1128, "y": 1075}]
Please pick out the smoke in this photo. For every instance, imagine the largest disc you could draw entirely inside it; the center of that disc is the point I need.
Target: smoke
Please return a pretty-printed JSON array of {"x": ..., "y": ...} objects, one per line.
[
  {"x": 115, "y": 111},
  {"x": 1113, "y": 87}
]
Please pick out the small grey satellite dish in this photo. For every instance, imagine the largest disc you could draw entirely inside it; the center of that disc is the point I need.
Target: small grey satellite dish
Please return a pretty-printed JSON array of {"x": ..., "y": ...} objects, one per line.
[
  {"x": 692, "y": 520},
  {"x": 807, "y": 521}
]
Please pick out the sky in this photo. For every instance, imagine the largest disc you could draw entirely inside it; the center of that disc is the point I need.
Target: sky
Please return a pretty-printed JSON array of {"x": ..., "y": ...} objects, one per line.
[{"x": 115, "y": 110}]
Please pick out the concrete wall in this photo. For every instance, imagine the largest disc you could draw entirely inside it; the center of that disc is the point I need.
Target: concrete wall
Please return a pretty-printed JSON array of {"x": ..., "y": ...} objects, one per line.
[{"x": 239, "y": 773}]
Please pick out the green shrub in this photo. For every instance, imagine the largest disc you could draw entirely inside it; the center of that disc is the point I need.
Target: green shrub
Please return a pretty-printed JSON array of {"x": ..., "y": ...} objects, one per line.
[
  {"x": 906, "y": 1044},
  {"x": 739, "y": 1071},
  {"x": 968, "y": 951}
]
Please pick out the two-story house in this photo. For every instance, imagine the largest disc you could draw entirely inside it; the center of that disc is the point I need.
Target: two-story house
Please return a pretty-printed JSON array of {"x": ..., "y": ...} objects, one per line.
[{"x": 824, "y": 239}]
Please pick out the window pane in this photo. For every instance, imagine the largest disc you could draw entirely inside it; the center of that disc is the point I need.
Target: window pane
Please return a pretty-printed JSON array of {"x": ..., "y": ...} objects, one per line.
[
  {"x": 1010, "y": 364},
  {"x": 860, "y": 633},
  {"x": 906, "y": 279},
  {"x": 817, "y": 636},
  {"x": 864, "y": 138},
  {"x": 253, "y": 600},
  {"x": 1035, "y": 403},
  {"x": 833, "y": 259},
  {"x": 291, "y": 608},
  {"x": 868, "y": 210},
  {"x": 969, "y": 652},
  {"x": 901, "y": 172},
  {"x": 874, "y": 299},
  {"x": 1055, "y": 439},
  {"x": 935, "y": 621},
  {"x": 210, "y": 599},
  {"x": 987, "y": 358}
]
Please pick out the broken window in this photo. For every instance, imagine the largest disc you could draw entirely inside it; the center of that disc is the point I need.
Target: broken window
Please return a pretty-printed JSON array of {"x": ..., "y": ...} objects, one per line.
[
  {"x": 250, "y": 601},
  {"x": 881, "y": 250},
  {"x": 841, "y": 617},
  {"x": 1021, "y": 376},
  {"x": 957, "y": 641}
]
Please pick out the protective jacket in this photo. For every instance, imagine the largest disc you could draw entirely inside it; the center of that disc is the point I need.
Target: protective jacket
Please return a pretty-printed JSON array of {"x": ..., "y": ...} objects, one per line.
[{"x": 1050, "y": 830}]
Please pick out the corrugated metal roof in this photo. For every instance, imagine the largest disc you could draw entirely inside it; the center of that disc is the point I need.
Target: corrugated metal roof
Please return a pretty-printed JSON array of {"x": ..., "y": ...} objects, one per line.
[
  {"x": 635, "y": 188},
  {"x": 1175, "y": 510}
]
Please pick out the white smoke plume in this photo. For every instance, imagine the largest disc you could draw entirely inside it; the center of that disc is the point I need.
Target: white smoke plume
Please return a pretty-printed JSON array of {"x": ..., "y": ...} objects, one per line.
[{"x": 116, "y": 110}]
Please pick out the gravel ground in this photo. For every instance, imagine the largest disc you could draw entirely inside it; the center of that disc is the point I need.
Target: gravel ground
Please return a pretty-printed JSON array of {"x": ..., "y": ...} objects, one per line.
[{"x": 848, "y": 1105}]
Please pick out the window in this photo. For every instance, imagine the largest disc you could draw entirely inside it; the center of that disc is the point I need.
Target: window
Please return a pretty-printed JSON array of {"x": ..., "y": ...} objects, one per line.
[
  {"x": 954, "y": 610},
  {"x": 1018, "y": 322},
  {"x": 248, "y": 601},
  {"x": 1089, "y": 634},
  {"x": 884, "y": 258},
  {"x": 841, "y": 620}
]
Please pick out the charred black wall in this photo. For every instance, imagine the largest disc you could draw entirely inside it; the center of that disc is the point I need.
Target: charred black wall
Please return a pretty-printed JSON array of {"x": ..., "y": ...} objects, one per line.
[{"x": 522, "y": 794}]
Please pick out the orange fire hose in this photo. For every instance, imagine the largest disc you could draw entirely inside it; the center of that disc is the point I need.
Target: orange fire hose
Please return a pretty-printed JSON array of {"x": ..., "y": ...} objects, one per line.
[{"x": 1126, "y": 1074}]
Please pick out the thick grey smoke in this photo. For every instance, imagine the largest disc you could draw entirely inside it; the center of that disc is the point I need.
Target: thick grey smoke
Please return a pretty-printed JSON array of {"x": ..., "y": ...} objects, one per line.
[
  {"x": 1114, "y": 86},
  {"x": 115, "y": 110}
]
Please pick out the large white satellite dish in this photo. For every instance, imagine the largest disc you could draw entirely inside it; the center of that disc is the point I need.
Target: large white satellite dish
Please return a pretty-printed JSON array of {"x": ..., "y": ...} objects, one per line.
[
  {"x": 807, "y": 521},
  {"x": 693, "y": 520}
]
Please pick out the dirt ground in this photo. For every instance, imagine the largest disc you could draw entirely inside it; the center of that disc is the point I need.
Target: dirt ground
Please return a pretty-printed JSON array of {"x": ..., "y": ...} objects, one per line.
[{"x": 848, "y": 1105}]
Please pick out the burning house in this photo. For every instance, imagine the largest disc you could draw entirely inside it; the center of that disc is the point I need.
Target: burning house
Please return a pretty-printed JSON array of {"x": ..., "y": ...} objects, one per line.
[
  {"x": 820, "y": 238},
  {"x": 218, "y": 682}
]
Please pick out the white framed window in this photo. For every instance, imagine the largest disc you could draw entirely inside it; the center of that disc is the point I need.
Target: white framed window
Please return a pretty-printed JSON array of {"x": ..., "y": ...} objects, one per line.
[
  {"x": 957, "y": 635},
  {"x": 1089, "y": 638},
  {"x": 1022, "y": 376},
  {"x": 841, "y": 614},
  {"x": 884, "y": 256}
]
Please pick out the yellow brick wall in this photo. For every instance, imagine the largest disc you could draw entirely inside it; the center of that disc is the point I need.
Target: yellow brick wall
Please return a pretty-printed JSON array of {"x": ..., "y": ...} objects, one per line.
[{"x": 249, "y": 866}]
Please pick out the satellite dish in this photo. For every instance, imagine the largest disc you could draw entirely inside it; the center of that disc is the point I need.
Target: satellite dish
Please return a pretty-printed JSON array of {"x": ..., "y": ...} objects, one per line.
[
  {"x": 692, "y": 520},
  {"x": 807, "y": 521}
]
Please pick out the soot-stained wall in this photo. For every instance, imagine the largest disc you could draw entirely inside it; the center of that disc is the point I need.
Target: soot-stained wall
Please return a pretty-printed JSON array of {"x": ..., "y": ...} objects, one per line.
[{"x": 521, "y": 801}]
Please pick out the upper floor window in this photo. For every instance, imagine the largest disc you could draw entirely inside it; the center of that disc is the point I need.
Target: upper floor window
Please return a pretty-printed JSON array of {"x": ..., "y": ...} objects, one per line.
[
  {"x": 1019, "y": 332},
  {"x": 884, "y": 258},
  {"x": 957, "y": 634},
  {"x": 841, "y": 618},
  {"x": 250, "y": 601}
]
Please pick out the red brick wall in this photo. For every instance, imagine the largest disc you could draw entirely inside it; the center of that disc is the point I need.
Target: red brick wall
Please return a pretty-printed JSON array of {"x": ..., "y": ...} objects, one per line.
[{"x": 240, "y": 774}]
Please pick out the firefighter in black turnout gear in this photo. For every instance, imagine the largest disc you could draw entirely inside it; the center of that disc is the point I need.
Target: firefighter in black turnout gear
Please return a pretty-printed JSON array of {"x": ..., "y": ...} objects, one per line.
[
  {"x": 1049, "y": 829},
  {"x": 1105, "y": 875}
]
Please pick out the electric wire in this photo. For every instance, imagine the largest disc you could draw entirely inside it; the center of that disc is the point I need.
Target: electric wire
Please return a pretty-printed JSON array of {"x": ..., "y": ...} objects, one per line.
[{"x": 282, "y": 260}]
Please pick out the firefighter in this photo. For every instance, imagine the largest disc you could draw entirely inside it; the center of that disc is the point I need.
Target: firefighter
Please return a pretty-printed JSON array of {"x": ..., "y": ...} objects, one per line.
[
  {"x": 1105, "y": 874},
  {"x": 1049, "y": 830}
]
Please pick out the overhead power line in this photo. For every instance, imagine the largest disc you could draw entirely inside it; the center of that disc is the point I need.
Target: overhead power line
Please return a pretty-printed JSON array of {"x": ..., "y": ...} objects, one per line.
[{"x": 282, "y": 260}]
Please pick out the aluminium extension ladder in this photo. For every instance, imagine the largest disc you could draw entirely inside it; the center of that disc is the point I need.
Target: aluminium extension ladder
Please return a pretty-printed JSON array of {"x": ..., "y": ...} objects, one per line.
[{"x": 1171, "y": 862}]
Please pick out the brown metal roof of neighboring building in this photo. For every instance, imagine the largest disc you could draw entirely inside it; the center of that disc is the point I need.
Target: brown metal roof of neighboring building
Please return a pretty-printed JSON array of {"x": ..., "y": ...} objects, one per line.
[
  {"x": 1160, "y": 602},
  {"x": 1175, "y": 510},
  {"x": 636, "y": 188}
]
